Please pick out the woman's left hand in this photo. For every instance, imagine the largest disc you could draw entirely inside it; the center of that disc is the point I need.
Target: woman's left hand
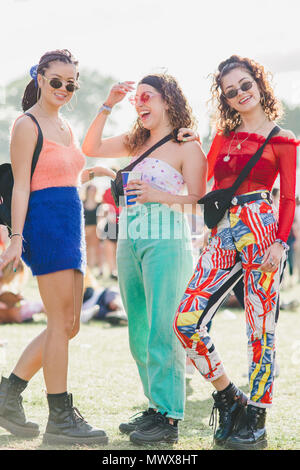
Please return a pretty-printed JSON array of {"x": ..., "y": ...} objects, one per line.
[
  {"x": 272, "y": 257},
  {"x": 187, "y": 135},
  {"x": 144, "y": 192}
]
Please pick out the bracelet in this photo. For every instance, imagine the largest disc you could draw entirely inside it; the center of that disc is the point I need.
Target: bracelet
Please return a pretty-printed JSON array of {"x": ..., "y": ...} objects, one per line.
[
  {"x": 282, "y": 243},
  {"x": 91, "y": 174},
  {"x": 16, "y": 235},
  {"x": 105, "y": 109}
]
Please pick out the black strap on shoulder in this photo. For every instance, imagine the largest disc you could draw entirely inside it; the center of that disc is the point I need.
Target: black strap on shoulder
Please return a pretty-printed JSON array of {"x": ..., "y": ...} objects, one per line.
[
  {"x": 39, "y": 144},
  {"x": 253, "y": 160},
  {"x": 150, "y": 150}
]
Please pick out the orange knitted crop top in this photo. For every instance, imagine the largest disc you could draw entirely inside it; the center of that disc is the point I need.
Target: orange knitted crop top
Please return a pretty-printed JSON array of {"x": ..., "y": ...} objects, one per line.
[{"x": 58, "y": 165}]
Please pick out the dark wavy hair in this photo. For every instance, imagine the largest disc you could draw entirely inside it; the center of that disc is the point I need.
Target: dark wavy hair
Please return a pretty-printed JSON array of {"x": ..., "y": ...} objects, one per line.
[
  {"x": 32, "y": 94},
  {"x": 227, "y": 119},
  {"x": 179, "y": 111}
]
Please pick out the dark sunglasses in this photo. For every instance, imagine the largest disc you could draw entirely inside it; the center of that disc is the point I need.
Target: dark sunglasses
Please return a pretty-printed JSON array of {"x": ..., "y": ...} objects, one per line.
[
  {"x": 57, "y": 83},
  {"x": 245, "y": 86}
]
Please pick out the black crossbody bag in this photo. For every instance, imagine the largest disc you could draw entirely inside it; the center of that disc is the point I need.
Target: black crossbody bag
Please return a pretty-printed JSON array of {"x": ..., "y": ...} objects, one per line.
[
  {"x": 217, "y": 202},
  {"x": 117, "y": 190},
  {"x": 7, "y": 179}
]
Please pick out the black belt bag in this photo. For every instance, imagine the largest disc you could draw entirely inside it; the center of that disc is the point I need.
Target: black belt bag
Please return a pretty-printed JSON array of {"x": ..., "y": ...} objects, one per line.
[{"x": 216, "y": 203}]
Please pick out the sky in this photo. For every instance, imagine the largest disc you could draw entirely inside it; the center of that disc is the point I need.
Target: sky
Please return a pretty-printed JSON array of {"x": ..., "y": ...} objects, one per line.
[{"x": 130, "y": 38}]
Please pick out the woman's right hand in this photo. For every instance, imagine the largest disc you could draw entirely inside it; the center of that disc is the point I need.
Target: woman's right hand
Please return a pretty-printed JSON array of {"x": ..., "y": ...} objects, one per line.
[
  {"x": 118, "y": 93},
  {"x": 12, "y": 254}
]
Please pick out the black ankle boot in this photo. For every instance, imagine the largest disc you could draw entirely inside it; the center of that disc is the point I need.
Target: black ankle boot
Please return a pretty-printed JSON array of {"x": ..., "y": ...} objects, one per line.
[
  {"x": 12, "y": 415},
  {"x": 67, "y": 426},
  {"x": 253, "y": 435},
  {"x": 231, "y": 404}
]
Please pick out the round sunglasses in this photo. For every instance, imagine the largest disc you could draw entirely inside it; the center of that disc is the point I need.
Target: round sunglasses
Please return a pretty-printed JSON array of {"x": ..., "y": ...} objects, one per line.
[
  {"x": 57, "y": 83},
  {"x": 245, "y": 86},
  {"x": 143, "y": 98}
]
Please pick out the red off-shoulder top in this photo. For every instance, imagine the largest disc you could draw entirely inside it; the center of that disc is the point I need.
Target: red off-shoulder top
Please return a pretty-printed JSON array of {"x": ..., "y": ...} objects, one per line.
[{"x": 279, "y": 157}]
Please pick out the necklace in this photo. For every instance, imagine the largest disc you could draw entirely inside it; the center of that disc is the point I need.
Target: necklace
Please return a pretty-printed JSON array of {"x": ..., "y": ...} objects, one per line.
[
  {"x": 58, "y": 123},
  {"x": 239, "y": 145}
]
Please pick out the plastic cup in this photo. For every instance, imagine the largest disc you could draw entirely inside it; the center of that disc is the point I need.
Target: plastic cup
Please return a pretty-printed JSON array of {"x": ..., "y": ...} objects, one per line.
[{"x": 128, "y": 176}]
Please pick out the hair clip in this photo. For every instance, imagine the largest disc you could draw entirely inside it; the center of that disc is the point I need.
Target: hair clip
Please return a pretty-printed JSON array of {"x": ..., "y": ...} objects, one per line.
[{"x": 33, "y": 74}]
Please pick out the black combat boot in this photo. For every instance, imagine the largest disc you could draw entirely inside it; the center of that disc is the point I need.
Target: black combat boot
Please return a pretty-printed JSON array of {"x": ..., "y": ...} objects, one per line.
[
  {"x": 253, "y": 435},
  {"x": 67, "y": 426},
  {"x": 158, "y": 431},
  {"x": 231, "y": 404},
  {"x": 137, "y": 420},
  {"x": 12, "y": 415}
]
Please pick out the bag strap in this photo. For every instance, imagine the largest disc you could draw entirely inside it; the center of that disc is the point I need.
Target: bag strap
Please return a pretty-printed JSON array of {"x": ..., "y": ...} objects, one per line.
[
  {"x": 253, "y": 160},
  {"x": 39, "y": 144},
  {"x": 150, "y": 150}
]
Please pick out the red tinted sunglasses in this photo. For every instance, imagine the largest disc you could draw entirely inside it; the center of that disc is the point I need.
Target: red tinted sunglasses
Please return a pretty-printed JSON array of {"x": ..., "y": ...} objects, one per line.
[{"x": 143, "y": 98}]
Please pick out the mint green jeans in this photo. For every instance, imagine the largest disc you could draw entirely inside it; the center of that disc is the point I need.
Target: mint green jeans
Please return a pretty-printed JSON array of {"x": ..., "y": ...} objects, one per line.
[{"x": 154, "y": 259}]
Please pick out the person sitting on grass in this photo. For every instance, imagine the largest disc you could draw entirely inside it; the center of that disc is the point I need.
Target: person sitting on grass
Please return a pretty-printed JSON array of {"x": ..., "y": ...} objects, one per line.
[{"x": 13, "y": 307}]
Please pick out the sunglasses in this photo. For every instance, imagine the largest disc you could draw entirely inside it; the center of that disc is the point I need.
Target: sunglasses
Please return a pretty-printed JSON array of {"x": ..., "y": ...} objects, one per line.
[
  {"x": 234, "y": 92},
  {"x": 57, "y": 83},
  {"x": 143, "y": 98}
]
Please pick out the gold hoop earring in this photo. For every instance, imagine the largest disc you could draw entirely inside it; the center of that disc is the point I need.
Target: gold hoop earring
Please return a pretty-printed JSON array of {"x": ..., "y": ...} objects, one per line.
[{"x": 69, "y": 105}]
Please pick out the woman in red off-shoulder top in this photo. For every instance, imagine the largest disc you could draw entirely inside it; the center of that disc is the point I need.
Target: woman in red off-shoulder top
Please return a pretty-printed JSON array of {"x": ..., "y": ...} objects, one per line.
[{"x": 248, "y": 244}]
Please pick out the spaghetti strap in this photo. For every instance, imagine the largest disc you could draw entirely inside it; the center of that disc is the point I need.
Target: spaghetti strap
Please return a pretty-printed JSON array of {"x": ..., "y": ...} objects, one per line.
[{"x": 24, "y": 114}]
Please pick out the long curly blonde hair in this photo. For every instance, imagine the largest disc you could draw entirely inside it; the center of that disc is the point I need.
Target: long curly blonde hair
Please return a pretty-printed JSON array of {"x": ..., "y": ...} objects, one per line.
[
  {"x": 225, "y": 118},
  {"x": 179, "y": 111}
]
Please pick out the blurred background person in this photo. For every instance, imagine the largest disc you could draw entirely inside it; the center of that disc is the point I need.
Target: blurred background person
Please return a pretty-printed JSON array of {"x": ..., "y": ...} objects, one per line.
[
  {"x": 297, "y": 241},
  {"x": 91, "y": 204},
  {"x": 108, "y": 214},
  {"x": 13, "y": 307},
  {"x": 102, "y": 303}
]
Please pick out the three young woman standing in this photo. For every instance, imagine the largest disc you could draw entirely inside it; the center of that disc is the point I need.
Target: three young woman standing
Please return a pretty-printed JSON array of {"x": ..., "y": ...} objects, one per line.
[{"x": 155, "y": 264}]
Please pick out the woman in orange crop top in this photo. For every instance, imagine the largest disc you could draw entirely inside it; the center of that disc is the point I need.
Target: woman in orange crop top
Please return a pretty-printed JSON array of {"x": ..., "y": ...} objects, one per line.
[
  {"x": 48, "y": 231},
  {"x": 248, "y": 244}
]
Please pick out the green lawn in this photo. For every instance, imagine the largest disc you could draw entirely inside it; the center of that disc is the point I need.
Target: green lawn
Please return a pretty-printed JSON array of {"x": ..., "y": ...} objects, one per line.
[{"x": 106, "y": 389}]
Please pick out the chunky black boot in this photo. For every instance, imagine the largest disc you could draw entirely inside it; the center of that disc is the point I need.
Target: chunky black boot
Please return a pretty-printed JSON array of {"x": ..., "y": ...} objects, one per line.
[
  {"x": 253, "y": 435},
  {"x": 137, "y": 420},
  {"x": 158, "y": 431},
  {"x": 231, "y": 404},
  {"x": 67, "y": 426},
  {"x": 12, "y": 416}
]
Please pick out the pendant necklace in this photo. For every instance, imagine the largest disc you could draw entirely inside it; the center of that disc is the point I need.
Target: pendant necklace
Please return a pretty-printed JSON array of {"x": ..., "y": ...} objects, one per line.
[{"x": 239, "y": 145}]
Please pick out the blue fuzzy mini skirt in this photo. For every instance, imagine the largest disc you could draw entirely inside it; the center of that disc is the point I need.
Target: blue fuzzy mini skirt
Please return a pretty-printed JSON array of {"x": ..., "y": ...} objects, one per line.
[{"x": 54, "y": 238}]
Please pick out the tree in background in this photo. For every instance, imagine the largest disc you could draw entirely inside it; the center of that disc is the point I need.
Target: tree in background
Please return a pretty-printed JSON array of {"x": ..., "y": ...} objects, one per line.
[
  {"x": 84, "y": 106},
  {"x": 93, "y": 91}
]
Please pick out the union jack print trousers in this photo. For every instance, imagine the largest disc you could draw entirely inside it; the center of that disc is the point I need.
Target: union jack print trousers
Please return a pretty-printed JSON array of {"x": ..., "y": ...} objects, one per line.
[{"x": 235, "y": 250}]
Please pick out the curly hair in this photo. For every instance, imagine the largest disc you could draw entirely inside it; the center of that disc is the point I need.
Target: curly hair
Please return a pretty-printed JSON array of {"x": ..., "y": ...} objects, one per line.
[
  {"x": 179, "y": 111},
  {"x": 227, "y": 119}
]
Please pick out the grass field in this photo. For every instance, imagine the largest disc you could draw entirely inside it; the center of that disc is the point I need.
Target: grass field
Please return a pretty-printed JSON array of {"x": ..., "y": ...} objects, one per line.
[{"x": 104, "y": 382}]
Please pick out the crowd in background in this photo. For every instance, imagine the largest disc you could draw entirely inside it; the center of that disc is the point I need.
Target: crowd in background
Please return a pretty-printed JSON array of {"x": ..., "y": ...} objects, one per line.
[{"x": 101, "y": 295}]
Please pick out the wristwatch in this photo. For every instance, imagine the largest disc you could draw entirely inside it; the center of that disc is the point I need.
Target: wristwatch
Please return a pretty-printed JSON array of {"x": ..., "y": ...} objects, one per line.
[{"x": 105, "y": 109}]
